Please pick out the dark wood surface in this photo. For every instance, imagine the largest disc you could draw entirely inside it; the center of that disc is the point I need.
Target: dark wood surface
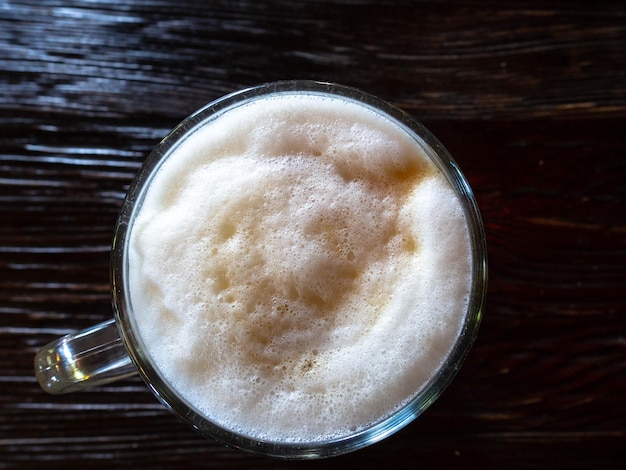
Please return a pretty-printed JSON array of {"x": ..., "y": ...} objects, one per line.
[{"x": 530, "y": 98}]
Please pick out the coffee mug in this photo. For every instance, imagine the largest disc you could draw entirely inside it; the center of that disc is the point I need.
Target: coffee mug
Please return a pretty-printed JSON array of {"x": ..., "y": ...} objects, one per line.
[{"x": 304, "y": 252}]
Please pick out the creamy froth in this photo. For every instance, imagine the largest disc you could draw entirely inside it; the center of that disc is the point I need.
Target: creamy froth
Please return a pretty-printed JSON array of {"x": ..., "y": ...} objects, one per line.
[{"x": 299, "y": 268}]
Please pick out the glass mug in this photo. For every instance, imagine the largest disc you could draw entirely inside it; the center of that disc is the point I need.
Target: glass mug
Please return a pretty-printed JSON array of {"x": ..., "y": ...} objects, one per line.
[{"x": 114, "y": 350}]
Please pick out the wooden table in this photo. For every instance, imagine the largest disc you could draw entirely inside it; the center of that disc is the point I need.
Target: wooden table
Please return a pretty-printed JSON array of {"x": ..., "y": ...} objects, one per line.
[{"x": 530, "y": 98}]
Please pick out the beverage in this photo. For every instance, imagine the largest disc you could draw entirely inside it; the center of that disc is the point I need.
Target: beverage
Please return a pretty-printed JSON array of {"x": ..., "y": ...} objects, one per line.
[{"x": 299, "y": 268}]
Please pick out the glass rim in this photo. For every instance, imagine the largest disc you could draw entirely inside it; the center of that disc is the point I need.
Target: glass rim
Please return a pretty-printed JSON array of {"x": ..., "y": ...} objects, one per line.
[{"x": 385, "y": 427}]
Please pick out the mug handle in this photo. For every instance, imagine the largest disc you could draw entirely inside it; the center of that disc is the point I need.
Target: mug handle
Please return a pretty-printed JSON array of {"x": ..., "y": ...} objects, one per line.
[{"x": 90, "y": 357}]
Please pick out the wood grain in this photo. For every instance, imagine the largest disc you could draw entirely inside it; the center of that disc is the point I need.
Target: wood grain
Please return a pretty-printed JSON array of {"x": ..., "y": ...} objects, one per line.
[{"x": 530, "y": 98}]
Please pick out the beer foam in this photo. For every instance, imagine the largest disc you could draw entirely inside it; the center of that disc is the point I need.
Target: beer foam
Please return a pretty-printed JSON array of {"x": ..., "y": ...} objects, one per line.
[{"x": 299, "y": 268}]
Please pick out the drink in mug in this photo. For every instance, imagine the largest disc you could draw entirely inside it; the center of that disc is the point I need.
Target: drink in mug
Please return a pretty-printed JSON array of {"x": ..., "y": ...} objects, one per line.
[{"x": 300, "y": 270}]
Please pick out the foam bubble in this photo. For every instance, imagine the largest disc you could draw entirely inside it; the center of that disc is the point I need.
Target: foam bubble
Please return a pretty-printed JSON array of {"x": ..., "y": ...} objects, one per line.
[{"x": 299, "y": 268}]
